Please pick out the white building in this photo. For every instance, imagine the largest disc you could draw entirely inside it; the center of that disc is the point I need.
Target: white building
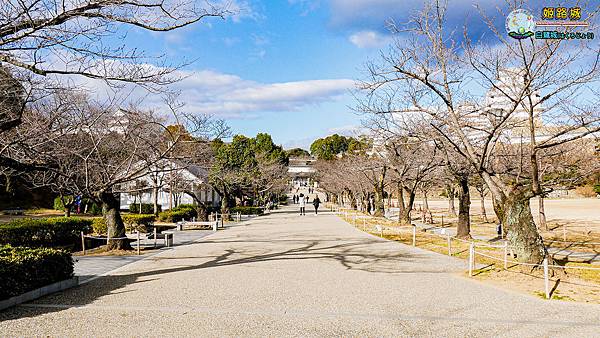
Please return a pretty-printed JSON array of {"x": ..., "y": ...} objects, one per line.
[
  {"x": 301, "y": 170},
  {"x": 168, "y": 180}
]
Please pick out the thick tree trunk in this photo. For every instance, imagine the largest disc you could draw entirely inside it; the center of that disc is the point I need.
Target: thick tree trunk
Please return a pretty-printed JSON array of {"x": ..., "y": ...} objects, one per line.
[
  {"x": 425, "y": 201},
  {"x": 114, "y": 223},
  {"x": 463, "y": 228},
  {"x": 67, "y": 211},
  {"x": 521, "y": 231},
  {"x": 405, "y": 213},
  {"x": 202, "y": 212},
  {"x": 542, "y": 214},
  {"x": 225, "y": 204}
]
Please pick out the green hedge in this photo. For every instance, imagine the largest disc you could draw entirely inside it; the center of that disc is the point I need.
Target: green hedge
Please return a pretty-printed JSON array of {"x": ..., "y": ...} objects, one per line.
[
  {"x": 179, "y": 213},
  {"x": 247, "y": 210},
  {"x": 147, "y": 208},
  {"x": 99, "y": 226},
  {"x": 44, "y": 232},
  {"x": 25, "y": 269},
  {"x": 140, "y": 222}
]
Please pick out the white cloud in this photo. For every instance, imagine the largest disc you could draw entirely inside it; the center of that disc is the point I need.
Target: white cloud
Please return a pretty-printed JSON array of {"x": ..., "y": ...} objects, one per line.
[
  {"x": 369, "y": 39},
  {"x": 230, "y": 96}
]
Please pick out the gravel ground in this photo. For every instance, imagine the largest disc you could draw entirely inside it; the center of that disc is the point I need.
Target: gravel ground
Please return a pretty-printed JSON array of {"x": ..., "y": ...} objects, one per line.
[{"x": 291, "y": 275}]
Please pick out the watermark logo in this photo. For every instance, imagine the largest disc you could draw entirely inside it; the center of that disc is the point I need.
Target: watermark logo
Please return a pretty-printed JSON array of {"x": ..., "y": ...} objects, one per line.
[{"x": 520, "y": 24}]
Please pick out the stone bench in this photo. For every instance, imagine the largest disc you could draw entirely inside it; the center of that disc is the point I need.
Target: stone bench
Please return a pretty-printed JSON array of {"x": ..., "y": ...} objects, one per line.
[
  {"x": 15, "y": 211},
  {"x": 209, "y": 224}
]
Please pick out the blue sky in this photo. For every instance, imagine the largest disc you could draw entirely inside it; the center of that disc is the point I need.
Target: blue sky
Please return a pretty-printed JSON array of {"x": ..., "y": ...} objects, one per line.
[{"x": 286, "y": 67}]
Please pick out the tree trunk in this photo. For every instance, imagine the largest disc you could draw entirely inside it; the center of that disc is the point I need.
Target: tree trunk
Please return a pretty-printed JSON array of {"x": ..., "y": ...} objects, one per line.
[
  {"x": 225, "y": 204},
  {"x": 425, "y": 201},
  {"x": 378, "y": 204},
  {"x": 521, "y": 231},
  {"x": 483, "y": 213},
  {"x": 67, "y": 211},
  {"x": 451, "y": 192},
  {"x": 155, "y": 198},
  {"x": 542, "y": 214},
  {"x": 405, "y": 214},
  {"x": 400, "y": 201},
  {"x": 202, "y": 212},
  {"x": 114, "y": 223},
  {"x": 463, "y": 228}
]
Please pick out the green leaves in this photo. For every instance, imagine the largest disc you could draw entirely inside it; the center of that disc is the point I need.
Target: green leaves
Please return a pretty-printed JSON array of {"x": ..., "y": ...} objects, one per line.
[
  {"x": 46, "y": 232},
  {"x": 24, "y": 269},
  {"x": 329, "y": 147}
]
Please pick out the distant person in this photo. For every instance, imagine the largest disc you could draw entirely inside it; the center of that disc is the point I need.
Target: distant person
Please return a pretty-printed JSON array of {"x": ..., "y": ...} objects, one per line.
[
  {"x": 316, "y": 203},
  {"x": 302, "y": 202}
]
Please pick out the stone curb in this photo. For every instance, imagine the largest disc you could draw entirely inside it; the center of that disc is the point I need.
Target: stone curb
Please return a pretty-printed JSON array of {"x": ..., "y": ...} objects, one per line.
[{"x": 40, "y": 292}]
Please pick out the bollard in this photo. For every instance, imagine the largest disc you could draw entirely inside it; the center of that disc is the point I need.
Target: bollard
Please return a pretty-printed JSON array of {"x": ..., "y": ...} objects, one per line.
[
  {"x": 546, "y": 281},
  {"x": 83, "y": 243},
  {"x": 138, "y": 242},
  {"x": 471, "y": 258},
  {"x": 449, "y": 245},
  {"x": 215, "y": 224},
  {"x": 505, "y": 254},
  {"x": 155, "y": 235},
  {"x": 414, "y": 235}
]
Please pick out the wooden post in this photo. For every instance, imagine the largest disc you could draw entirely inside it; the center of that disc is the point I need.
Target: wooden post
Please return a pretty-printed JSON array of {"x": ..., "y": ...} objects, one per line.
[
  {"x": 449, "y": 245},
  {"x": 505, "y": 254},
  {"x": 83, "y": 243},
  {"x": 471, "y": 258},
  {"x": 155, "y": 235},
  {"x": 138, "y": 242},
  {"x": 442, "y": 220},
  {"x": 414, "y": 235},
  {"x": 546, "y": 281}
]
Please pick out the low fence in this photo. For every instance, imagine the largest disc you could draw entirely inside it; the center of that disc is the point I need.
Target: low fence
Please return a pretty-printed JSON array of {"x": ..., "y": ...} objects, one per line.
[{"x": 360, "y": 221}]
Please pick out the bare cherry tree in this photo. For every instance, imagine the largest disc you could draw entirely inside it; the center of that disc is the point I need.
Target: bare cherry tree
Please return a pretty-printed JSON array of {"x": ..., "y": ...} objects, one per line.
[{"x": 483, "y": 100}]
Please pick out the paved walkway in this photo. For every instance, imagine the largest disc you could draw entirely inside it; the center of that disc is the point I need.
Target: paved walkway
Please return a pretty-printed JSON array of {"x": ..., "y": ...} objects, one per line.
[
  {"x": 291, "y": 275},
  {"x": 90, "y": 267}
]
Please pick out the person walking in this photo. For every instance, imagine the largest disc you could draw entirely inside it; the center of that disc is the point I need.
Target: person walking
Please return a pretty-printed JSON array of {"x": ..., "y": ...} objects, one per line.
[
  {"x": 316, "y": 202},
  {"x": 302, "y": 202}
]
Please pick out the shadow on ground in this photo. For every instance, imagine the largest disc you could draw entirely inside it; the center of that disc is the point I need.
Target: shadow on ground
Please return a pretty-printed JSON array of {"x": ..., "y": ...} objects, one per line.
[{"x": 354, "y": 254}]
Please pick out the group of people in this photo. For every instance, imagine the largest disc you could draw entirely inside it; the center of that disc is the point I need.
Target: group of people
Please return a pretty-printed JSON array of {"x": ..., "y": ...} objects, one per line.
[{"x": 303, "y": 200}]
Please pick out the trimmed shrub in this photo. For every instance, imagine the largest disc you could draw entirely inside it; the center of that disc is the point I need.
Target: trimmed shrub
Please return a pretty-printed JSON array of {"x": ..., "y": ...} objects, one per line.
[
  {"x": 247, "y": 210},
  {"x": 179, "y": 213},
  {"x": 173, "y": 216},
  {"x": 99, "y": 226},
  {"x": 140, "y": 222},
  {"x": 147, "y": 208},
  {"x": 25, "y": 269},
  {"x": 44, "y": 232}
]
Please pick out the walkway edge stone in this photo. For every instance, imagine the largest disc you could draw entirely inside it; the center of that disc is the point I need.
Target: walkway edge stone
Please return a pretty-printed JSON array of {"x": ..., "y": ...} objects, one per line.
[{"x": 39, "y": 292}]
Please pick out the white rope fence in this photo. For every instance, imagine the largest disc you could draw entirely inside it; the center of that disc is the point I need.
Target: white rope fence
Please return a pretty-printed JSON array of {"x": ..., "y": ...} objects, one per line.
[{"x": 472, "y": 249}]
